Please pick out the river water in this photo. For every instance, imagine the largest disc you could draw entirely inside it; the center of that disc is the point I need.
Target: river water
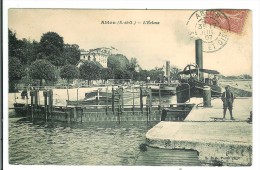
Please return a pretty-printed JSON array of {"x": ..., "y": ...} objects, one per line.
[
  {"x": 96, "y": 143},
  {"x": 92, "y": 143}
]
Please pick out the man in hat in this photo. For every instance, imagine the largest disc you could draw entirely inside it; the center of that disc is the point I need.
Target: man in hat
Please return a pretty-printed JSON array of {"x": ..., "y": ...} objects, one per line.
[
  {"x": 228, "y": 99},
  {"x": 215, "y": 80}
]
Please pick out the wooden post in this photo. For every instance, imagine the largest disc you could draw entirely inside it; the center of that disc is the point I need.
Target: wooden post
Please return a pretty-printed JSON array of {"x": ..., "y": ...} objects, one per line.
[
  {"x": 68, "y": 114},
  {"x": 50, "y": 101},
  {"x": 78, "y": 95},
  {"x": 36, "y": 92},
  {"x": 113, "y": 100},
  {"x": 81, "y": 115},
  {"x": 96, "y": 102},
  {"x": 150, "y": 99},
  {"x": 15, "y": 94},
  {"x": 141, "y": 100},
  {"x": 32, "y": 94},
  {"x": 118, "y": 110},
  {"x": 75, "y": 114},
  {"x": 160, "y": 96},
  {"x": 45, "y": 94},
  {"x": 122, "y": 96},
  {"x": 133, "y": 100},
  {"x": 147, "y": 112},
  {"x": 106, "y": 99},
  {"x": 27, "y": 110}
]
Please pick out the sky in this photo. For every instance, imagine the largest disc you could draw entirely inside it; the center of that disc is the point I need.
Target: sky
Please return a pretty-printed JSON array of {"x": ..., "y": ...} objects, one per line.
[{"x": 151, "y": 44}]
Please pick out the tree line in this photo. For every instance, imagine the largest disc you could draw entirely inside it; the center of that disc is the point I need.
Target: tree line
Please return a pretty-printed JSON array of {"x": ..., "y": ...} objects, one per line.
[{"x": 51, "y": 59}]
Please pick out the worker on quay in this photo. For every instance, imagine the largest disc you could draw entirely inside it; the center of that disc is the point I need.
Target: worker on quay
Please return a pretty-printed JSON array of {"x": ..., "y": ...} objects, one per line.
[
  {"x": 227, "y": 99},
  {"x": 215, "y": 80},
  {"x": 24, "y": 94}
]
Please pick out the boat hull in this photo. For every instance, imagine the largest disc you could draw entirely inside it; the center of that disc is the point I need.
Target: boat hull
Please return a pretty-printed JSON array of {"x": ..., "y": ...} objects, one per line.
[
  {"x": 126, "y": 99},
  {"x": 195, "y": 89},
  {"x": 164, "y": 89}
]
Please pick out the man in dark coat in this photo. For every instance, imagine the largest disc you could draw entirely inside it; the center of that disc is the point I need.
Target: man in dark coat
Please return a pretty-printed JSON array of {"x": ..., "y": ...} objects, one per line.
[
  {"x": 228, "y": 99},
  {"x": 24, "y": 94}
]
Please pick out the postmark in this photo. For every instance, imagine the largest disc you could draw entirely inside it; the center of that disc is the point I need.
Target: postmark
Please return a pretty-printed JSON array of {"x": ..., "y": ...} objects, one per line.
[{"x": 213, "y": 32}]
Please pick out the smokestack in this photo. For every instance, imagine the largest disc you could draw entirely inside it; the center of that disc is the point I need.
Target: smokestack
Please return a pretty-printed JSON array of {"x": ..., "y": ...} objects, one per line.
[
  {"x": 168, "y": 70},
  {"x": 199, "y": 57}
]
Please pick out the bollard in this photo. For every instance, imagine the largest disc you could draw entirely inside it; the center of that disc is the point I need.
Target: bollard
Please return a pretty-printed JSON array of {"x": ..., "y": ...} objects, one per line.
[{"x": 206, "y": 96}]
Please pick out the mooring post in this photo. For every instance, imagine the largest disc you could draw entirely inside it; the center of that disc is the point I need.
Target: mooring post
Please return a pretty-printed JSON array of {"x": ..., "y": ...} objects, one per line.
[
  {"x": 27, "y": 104},
  {"x": 68, "y": 114},
  {"x": 32, "y": 94},
  {"x": 36, "y": 92},
  {"x": 78, "y": 95},
  {"x": 45, "y": 95},
  {"x": 96, "y": 102},
  {"x": 141, "y": 100},
  {"x": 147, "y": 112},
  {"x": 81, "y": 114},
  {"x": 75, "y": 114},
  {"x": 150, "y": 101},
  {"x": 133, "y": 100},
  {"x": 160, "y": 96},
  {"x": 106, "y": 99},
  {"x": 51, "y": 101},
  {"x": 113, "y": 100},
  {"x": 118, "y": 111},
  {"x": 122, "y": 97},
  {"x": 206, "y": 96}
]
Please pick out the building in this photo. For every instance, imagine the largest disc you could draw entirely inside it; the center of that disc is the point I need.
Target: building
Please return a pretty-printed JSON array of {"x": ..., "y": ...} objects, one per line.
[{"x": 99, "y": 55}]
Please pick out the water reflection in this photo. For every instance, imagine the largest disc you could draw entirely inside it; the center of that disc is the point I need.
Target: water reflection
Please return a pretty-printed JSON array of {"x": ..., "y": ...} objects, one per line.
[{"x": 93, "y": 143}]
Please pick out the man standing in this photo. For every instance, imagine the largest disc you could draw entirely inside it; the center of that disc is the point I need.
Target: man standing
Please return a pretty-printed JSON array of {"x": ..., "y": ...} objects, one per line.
[
  {"x": 228, "y": 99},
  {"x": 215, "y": 80}
]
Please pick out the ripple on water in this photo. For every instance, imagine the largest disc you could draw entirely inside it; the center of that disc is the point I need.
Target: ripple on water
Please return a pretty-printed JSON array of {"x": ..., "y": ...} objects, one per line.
[{"x": 96, "y": 143}]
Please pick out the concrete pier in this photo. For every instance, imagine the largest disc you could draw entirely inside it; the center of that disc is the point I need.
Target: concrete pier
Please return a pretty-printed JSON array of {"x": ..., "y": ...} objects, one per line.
[{"x": 227, "y": 143}]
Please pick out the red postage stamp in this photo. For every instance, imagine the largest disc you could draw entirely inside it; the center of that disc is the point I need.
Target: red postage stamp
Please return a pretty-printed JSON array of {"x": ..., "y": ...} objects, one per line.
[{"x": 231, "y": 20}]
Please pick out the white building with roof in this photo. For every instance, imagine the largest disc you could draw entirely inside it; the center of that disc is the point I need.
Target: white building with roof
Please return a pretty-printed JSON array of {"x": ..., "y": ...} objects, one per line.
[{"x": 99, "y": 55}]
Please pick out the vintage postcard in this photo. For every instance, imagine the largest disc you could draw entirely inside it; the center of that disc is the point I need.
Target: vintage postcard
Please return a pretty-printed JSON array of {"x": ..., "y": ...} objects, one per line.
[{"x": 130, "y": 87}]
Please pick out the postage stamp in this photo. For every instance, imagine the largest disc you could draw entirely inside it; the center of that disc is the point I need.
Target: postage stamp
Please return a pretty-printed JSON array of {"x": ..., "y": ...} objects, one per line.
[
  {"x": 236, "y": 19},
  {"x": 211, "y": 26}
]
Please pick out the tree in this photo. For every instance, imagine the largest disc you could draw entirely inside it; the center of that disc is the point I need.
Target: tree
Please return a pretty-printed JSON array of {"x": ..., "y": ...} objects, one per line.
[
  {"x": 71, "y": 53},
  {"x": 106, "y": 73},
  {"x": 42, "y": 70},
  {"x": 174, "y": 72},
  {"x": 143, "y": 74},
  {"x": 117, "y": 62},
  {"x": 90, "y": 70},
  {"x": 51, "y": 47},
  {"x": 122, "y": 74},
  {"x": 69, "y": 72},
  {"x": 15, "y": 72},
  {"x": 15, "y": 47},
  {"x": 156, "y": 74},
  {"x": 133, "y": 64},
  {"x": 133, "y": 68}
]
